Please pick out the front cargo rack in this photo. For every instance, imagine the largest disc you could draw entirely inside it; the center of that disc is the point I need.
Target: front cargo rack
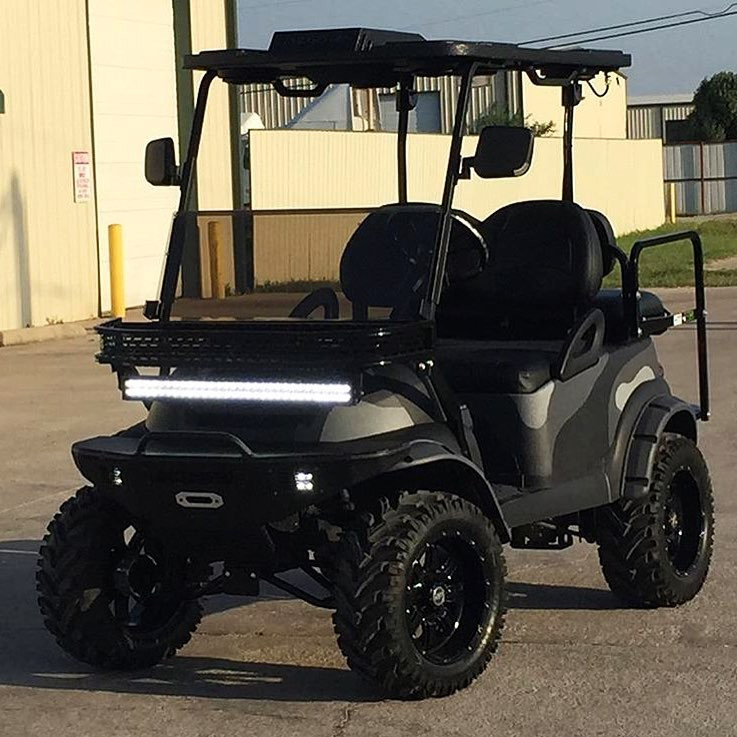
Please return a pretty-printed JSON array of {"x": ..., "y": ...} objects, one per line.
[{"x": 282, "y": 346}]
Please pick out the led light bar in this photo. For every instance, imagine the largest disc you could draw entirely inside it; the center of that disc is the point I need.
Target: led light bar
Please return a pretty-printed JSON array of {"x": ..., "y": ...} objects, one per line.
[{"x": 295, "y": 392}]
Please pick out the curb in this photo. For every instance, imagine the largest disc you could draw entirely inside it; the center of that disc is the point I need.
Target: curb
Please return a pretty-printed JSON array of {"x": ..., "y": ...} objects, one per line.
[{"x": 22, "y": 336}]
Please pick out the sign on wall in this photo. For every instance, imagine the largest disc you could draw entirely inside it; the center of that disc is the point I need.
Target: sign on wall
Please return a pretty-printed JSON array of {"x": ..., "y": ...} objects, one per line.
[{"x": 82, "y": 171}]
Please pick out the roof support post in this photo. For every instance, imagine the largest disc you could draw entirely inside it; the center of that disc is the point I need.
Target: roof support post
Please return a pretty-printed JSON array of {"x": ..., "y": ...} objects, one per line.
[
  {"x": 572, "y": 95},
  {"x": 440, "y": 253},
  {"x": 178, "y": 230},
  {"x": 406, "y": 101}
]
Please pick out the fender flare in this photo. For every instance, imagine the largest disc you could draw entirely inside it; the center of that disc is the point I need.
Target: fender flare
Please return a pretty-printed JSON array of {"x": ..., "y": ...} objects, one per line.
[
  {"x": 430, "y": 463},
  {"x": 664, "y": 413}
]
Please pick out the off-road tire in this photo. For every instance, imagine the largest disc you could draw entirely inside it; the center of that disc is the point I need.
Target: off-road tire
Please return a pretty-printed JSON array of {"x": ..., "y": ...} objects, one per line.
[
  {"x": 373, "y": 565},
  {"x": 632, "y": 538},
  {"x": 74, "y": 571}
]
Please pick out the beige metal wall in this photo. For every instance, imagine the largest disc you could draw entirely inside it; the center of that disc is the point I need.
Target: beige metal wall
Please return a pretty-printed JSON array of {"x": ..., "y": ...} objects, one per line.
[
  {"x": 648, "y": 121},
  {"x": 48, "y": 259},
  {"x": 299, "y": 172},
  {"x": 132, "y": 69},
  {"x": 595, "y": 117},
  {"x": 214, "y": 179},
  {"x": 301, "y": 246}
]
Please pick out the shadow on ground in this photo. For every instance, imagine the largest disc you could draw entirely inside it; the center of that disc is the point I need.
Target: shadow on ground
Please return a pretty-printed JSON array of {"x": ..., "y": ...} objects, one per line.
[
  {"x": 550, "y": 597},
  {"x": 30, "y": 658}
]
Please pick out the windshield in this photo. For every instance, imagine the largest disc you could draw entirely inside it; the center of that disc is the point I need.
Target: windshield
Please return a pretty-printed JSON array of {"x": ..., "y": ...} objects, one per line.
[{"x": 319, "y": 231}]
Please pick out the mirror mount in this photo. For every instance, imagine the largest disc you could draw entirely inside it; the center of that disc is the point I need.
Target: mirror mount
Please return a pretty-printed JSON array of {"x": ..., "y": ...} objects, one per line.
[
  {"x": 467, "y": 165},
  {"x": 161, "y": 164}
]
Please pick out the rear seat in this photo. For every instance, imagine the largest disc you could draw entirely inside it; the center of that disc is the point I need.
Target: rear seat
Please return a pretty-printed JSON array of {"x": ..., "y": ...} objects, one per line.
[{"x": 611, "y": 301}]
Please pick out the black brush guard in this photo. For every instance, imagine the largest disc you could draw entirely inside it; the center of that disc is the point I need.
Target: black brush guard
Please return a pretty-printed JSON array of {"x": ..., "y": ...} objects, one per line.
[{"x": 288, "y": 347}]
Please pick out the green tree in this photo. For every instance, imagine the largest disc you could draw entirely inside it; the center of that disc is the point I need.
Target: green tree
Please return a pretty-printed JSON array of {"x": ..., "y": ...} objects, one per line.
[
  {"x": 714, "y": 117},
  {"x": 499, "y": 114}
]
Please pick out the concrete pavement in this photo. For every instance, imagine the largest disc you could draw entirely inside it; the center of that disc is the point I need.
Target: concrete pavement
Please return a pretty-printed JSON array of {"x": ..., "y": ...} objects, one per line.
[{"x": 572, "y": 662}]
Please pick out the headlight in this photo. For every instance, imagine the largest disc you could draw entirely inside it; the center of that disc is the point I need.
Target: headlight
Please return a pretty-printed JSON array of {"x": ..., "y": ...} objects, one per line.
[{"x": 294, "y": 392}]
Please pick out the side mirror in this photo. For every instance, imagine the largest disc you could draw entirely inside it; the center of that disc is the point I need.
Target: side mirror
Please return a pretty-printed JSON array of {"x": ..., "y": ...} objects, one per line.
[
  {"x": 502, "y": 151},
  {"x": 161, "y": 163}
]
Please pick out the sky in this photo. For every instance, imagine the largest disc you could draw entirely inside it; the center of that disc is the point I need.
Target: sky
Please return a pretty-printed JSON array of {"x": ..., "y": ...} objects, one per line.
[{"x": 668, "y": 61}]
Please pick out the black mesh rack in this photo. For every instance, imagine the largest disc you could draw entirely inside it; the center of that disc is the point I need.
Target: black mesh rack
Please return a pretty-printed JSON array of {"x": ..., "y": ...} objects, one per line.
[{"x": 281, "y": 346}]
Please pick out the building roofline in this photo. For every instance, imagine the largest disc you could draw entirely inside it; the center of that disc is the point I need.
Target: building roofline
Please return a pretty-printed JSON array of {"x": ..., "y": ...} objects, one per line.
[{"x": 677, "y": 98}]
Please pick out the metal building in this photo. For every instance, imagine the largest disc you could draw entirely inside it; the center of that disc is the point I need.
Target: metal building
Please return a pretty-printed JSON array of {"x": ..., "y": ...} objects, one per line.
[
  {"x": 85, "y": 84},
  {"x": 436, "y": 102},
  {"x": 658, "y": 116}
]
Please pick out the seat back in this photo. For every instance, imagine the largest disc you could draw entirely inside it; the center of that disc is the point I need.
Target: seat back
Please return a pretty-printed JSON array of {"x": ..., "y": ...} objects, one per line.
[
  {"x": 544, "y": 271},
  {"x": 386, "y": 262},
  {"x": 386, "y": 259},
  {"x": 607, "y": 240}
]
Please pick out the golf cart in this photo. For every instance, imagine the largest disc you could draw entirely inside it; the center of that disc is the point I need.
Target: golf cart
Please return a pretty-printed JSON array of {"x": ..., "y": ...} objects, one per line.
[{"x": 470, "y": 386}]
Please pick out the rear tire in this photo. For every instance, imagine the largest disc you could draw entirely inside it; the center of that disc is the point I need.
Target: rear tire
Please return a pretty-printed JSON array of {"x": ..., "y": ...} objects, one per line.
[
  {"x": 420, "y": 597},
  {"x": 79, "y": 586},
  {"x": 655, "y": 551}
]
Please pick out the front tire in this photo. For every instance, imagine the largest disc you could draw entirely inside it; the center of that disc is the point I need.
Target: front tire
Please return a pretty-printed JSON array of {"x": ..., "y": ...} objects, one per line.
[
  {"x": 111, "y": 598},
  {"x": 420, "y": 597},
  {"x": 656, "y": 551}
]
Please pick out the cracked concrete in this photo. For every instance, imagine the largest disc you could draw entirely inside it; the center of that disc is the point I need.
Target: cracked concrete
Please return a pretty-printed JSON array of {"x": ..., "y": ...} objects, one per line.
[{"x": 572, "y": 662}]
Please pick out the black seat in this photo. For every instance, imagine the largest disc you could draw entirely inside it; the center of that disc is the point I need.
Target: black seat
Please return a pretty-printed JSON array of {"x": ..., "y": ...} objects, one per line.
[
  {"x": 504, "y": 330},
  {"x": 483, "y": 367},
  {"x": 545, "y": 268},
  {"x": 387, "y": 260},
  {"x": 611, "y": 301}
]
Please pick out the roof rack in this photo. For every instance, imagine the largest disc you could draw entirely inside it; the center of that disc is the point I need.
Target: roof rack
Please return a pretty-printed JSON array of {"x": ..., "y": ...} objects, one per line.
[{"x": 370, "y": 57}]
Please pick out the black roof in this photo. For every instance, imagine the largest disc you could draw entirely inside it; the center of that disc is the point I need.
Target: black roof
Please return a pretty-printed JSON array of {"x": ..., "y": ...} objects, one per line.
[{"x": 367, "y": 57}]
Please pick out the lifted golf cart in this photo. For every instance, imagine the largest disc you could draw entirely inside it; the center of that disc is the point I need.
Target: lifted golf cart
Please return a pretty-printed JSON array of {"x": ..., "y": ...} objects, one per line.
[{"x": 485, "y": 390}]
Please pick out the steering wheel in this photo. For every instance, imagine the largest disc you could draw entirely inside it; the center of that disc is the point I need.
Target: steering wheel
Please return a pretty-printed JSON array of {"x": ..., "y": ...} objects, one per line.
[
  {"x": 324, "y": 297},
  {"x": 468, "y": 252}
]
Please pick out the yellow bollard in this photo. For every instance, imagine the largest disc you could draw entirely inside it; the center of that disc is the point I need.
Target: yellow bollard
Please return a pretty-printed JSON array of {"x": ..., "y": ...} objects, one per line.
[
  {"x": 117, "y": 270},
  {"x": 672, "y": 202},
  {"x": 217, "y": 282}
]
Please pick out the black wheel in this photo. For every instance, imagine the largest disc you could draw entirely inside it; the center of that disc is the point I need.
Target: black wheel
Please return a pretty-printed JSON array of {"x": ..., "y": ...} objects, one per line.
[
  {"x": 420, "y": 597},
  {"x": 111, "y": 597},
  {"x": 656, "y": 551}
]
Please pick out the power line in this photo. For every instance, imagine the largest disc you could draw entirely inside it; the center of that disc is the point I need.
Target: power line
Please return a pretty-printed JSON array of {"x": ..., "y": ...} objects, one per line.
[
  {"x": 724, "y": 14},
  {"x": 471, "y": 16},
  {"x": 608, "y": 28}
]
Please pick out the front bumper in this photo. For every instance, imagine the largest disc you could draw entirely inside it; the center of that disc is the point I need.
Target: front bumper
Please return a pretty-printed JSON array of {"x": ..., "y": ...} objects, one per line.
[{"x": 150, "y": 475}]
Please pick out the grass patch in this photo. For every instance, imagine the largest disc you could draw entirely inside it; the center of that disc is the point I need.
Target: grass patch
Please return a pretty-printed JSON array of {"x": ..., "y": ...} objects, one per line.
[
  {"x": 672, "y": 265},
  {"x": 663, "y": 266},
  {"x": 294, "y": 286}
]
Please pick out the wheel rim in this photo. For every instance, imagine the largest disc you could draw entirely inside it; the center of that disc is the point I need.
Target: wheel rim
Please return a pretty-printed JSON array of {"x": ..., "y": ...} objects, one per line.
[
  {"x": 143, "y": 594},
  {"x": 447, "y": 600},
  {"x": 683, "y": 522}
]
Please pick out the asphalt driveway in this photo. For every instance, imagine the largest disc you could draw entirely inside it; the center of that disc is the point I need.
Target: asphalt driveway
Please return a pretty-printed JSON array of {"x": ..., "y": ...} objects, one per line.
[{"x": 572, "y": 662}]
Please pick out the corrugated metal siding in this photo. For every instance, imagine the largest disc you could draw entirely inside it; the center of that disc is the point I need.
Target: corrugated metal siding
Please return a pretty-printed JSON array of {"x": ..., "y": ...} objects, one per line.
[
  {"x": 301, "y": 246},
  {"x": 132, "y": 103},
  {"x": 647, "y": 121},
  {"x": 644, "y": 122},
  {"x": 296, "y": 172},
  {"x": 48, "y": 245},
  {"x": 277, "y": 111},
  {"x": 214, "y": 180},
  {"x": 712, "y": 189}
]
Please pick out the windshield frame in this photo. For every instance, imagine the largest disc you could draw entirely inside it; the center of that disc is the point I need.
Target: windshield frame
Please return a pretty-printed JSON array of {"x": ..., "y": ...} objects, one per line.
[{"x": 175, "y": 251}]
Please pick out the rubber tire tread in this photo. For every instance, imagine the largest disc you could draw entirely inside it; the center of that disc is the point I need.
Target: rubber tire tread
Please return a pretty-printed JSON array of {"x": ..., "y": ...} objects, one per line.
[
  {"x": 63, "y": 583},
  {"x": 631, "y": 538},
  {"x": 369, "y": 586}
]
